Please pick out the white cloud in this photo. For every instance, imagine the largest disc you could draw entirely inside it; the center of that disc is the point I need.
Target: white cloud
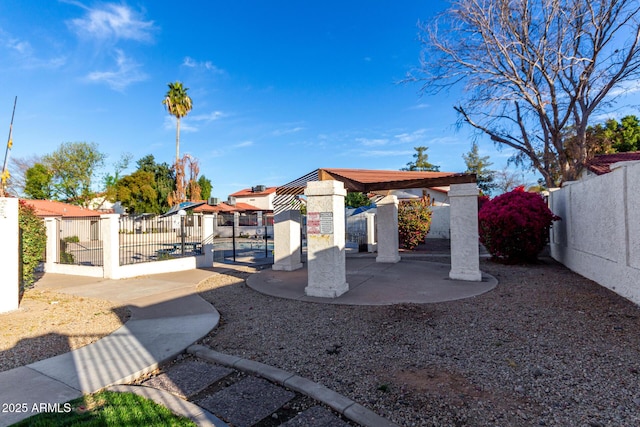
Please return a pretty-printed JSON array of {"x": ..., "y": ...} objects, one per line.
[
  {"x": 185, "y": 126},
  {"x": 24, "y": 54},
  {"x": 244, "y": 144},
  {"x": 127, "y": 71},
  {"x": 626, "y": 88},
  {"x": 386, "y": 153},
  {"x": 205, "y": 65},
  {"x": 413, "y": 137},
  {"x": 112, "y": 21},
  {"x": 215, "y": 115},
  {"x": 280, "y": 132},
  {"x": 373, "y": 142}
]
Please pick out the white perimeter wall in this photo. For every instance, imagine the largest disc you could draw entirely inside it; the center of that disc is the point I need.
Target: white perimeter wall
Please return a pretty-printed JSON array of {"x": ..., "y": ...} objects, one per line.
[
  {"x": 599, "y": 235},
  {"x": 440, "y": 223}
]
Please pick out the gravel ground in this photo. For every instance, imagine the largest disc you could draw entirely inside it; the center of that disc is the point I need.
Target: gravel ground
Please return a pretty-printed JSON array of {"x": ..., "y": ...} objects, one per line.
[
  {"x": 47, "y": 324},
  {"x": 546, "y": 347}
]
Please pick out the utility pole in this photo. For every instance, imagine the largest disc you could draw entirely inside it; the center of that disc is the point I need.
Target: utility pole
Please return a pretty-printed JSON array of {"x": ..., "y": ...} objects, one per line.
[{"x": 5, "y": 172}]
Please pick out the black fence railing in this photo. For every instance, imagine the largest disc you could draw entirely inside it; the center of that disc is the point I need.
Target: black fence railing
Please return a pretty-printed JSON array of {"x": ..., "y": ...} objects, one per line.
[
  {"x": 79, "y": 241},
  {"x": 151, "y": 238}
]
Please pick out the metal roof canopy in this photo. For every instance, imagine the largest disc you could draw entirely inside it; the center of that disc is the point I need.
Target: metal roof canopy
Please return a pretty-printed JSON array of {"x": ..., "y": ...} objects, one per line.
[{"x": 369, "y": 181}]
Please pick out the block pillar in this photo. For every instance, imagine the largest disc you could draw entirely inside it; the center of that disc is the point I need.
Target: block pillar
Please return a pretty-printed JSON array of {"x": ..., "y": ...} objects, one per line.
[
  {"x": 9, "y": 253},
  {"x": 51, "y": 251},
  {"x": 387, "y": 223},
  {"x": 110, "y": 229},
  {"x": 371, "y": 232},
  {"x": 465, "y": 254},
  {"x": 326, "y": 239},
  {"x": 208, "y": 230},
  {"x": 286, "y": 241}
]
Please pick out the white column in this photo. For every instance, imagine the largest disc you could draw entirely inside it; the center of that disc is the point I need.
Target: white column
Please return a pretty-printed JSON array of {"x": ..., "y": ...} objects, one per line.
[
  {"x": 286, "y": 241},
  {"x": 110, "y": 228},
  {"x": 465, "y": 255},
  {"x": 387, "y": 223},
  {"x": 325, "y": 239},
  {"x": 371, "y": 232},
  {"x": 10, "y": 283},
  {"x": 208, "y": 230},
  {"x": 51, "y": 226}
]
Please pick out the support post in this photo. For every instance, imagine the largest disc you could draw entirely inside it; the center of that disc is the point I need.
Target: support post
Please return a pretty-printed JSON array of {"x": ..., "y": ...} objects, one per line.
[
  {"x": 286, "y": 241},
  {"x": 110, "y": 228},
  {"x": 326, "y": 239},
  {"x": 208, "y": 222},
  {"x": 465, "y": 254},
  {"x": 371, "y": 232},
  {"x": 51, "y": 229},
  {"x": 9, "y": 253},
  {"x": 388, "y": 240}
]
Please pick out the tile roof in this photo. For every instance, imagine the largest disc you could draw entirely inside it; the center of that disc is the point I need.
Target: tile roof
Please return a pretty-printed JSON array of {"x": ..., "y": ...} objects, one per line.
[
  {"x": 223, "y": 207},
  {"x": 249, "y": 192},
  {"x": 601, "y": 164},
  {"x": 367, "y": 180},
  {"x": 50, "y": 208}
]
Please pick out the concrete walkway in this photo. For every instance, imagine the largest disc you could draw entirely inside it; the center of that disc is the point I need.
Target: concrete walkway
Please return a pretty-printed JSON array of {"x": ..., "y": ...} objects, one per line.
[
  {"x": 166, "y": 317},
  {"x": 412, "y": 280}
]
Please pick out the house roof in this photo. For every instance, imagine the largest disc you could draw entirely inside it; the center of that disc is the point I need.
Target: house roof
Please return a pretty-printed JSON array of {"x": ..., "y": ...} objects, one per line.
[
  {"x": 51, "y": 208},
  {"x": 226, "y": 208},
  {"x": 602, "y": 164},
  {"x": 252, "y": 192},
  {"x": 366, "y": 180}
]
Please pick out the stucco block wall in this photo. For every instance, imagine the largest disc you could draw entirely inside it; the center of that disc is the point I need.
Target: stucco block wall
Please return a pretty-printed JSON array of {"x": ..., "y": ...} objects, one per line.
[
  {"x": 599, "y": 235},
  {"x": 440, "y": 223}
]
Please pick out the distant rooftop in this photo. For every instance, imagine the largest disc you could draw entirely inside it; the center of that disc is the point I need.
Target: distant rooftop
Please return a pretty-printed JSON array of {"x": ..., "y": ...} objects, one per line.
[
  {"x": 52, "y": 208},
  {"x": 602, "y": 164}
]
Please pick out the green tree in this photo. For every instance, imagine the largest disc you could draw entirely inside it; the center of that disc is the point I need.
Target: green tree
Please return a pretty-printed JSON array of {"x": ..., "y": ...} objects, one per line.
[
  {"x": 480, "y": 166},
  {"x": 110, "y": 181},
  {"x": 73, "y": 166},
  {"x": 614, "y": 137},
  {"x": 205, "y": 187},
  {"x": 137, "y": 193},
  {"x": 178, "y": 104},
  {"x": 38, "y": 182},
  {"x": 164, "y": 180},
  {"x": 356, "y": 199},
  {"x": 533, "y": 69},
  {"x": 421, "y": 162}
]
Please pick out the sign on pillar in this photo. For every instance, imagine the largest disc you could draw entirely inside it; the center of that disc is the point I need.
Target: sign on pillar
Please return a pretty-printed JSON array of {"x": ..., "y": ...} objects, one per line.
[
  {"x": 10, "y": 283},
  {"x": 326, "y": 256}
]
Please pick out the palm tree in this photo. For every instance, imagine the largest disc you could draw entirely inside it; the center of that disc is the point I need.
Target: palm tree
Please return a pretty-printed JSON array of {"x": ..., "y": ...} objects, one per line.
[{"x": 178, "y": 104}]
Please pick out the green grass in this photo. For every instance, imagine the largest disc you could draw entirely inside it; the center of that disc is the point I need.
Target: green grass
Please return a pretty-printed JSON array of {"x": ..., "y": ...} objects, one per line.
[{"x": 107, "y": 408}]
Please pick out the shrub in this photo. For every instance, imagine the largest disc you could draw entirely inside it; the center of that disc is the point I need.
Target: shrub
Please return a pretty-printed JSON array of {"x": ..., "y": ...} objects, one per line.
[
  {"x": 514, "y": 226},
  {"x": 33, "y": 242},
  {"x": 414, "y": 220}
]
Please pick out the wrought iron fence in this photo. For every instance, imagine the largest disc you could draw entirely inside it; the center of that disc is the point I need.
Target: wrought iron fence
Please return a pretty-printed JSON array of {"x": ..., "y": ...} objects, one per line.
[
  {"x": 80, "y": 241},
  {"x": 356, "y": 232},
  {"x": 146, "y": 238}
]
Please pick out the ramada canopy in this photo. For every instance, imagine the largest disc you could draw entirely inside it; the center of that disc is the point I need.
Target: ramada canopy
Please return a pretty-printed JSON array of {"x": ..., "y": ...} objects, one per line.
[{"x": 369, "y": 181}]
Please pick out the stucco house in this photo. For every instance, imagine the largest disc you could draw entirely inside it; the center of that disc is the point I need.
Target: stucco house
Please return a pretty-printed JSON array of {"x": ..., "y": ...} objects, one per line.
[{"x": 259, "y": 196}]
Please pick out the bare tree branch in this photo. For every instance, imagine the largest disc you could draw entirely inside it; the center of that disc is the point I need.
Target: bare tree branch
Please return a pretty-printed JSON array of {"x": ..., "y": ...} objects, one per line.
[{"x": 533, "y": 69}]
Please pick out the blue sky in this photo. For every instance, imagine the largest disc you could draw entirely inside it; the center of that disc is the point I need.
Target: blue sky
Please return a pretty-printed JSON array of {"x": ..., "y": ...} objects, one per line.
[{"x": 279, "y": 88}]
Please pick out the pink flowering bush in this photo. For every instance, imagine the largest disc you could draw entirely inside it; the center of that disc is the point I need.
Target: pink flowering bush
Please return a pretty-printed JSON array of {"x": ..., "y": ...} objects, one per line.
[
  {"x": 514, "y": 226},
  {"x": 414, "y": 221}
]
